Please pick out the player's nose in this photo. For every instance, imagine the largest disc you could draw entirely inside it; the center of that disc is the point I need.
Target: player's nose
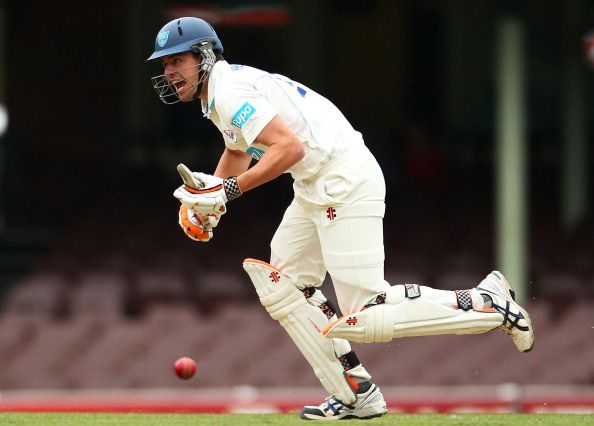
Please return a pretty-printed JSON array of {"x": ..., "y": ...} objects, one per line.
[{"x": 169, "y": 71}]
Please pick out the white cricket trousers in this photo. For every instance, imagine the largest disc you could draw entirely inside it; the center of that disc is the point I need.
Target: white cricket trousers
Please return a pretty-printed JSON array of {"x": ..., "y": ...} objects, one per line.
[{"x": 335, "y": 224}]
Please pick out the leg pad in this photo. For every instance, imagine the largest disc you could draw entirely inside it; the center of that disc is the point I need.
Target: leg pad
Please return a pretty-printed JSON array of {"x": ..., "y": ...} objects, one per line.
[
  {"x": 303, "y": 322},
  {"x": 411, "y": 317}
]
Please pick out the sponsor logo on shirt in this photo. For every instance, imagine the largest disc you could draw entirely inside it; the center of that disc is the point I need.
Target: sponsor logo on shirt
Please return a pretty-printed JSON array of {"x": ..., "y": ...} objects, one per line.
[
  {"x": 242, "y": 115},
  {"x": 230, "y": 135},
  {"x": 256, "y": 153}
]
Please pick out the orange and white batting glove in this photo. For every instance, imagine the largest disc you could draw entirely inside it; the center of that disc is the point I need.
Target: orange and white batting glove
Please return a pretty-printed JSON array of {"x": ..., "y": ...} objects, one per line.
[
  {"x": 211, "y": 196},
  {"x": 194, "y": 227}
]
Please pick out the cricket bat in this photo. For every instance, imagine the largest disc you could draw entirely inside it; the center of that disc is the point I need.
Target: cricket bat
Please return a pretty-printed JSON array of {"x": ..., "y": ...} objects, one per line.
[{"x": 188, "y": 177}]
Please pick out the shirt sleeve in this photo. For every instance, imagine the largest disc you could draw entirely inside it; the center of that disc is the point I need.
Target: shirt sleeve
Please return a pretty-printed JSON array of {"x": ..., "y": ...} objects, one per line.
[{"x": 247, "y": 111}]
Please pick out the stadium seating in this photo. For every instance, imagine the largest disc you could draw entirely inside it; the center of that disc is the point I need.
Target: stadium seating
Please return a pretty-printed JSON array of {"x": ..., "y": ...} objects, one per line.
[{"x": 119, "y": 312}]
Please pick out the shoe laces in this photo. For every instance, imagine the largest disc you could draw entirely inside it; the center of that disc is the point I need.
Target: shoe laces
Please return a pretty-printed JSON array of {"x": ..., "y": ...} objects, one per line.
[{"x": 334, "y": 404}]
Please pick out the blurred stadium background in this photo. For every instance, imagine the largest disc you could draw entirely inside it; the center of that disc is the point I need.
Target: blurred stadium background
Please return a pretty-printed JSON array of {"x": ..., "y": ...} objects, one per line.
[{"x": 480, "y": 112}]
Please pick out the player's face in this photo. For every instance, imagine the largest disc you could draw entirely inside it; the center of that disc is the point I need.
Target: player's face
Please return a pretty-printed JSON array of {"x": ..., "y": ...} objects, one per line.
[{"x": 181, "y": 70}]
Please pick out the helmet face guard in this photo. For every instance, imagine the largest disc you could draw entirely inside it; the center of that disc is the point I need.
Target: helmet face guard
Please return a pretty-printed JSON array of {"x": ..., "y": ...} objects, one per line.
[
  {"x": 167, "y": 91},
  {"x": 164, "y": 86},
  {"x": 185, "y": 35}
]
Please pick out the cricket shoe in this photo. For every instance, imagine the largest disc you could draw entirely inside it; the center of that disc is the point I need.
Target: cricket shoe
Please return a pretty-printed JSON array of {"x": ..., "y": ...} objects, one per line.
[
  {"x": 516, "y": 321},
  {"x": 368, "y": 405}
]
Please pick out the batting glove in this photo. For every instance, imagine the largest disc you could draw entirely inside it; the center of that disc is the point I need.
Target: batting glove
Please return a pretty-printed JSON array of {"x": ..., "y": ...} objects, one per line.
[
  {"x": 195, "y": 227},
  {"x": 210, "y": 199}
]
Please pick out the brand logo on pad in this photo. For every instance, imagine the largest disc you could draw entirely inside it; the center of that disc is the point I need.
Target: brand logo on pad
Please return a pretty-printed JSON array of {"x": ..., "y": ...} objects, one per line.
[
  {"x": 274, "y": 276},
  {"x": 352, "y": 321},
  {"x": 242, "y": 115}
]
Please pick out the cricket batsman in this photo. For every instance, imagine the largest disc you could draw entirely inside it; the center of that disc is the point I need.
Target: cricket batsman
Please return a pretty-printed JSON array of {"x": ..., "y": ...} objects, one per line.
[{"x": 333, "y": 225}]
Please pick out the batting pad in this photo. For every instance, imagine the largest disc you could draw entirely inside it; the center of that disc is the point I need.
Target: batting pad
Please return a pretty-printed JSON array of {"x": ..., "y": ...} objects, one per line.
[
  {"x": 410, "y": 318},
  {"x": 303, "y": 322}
]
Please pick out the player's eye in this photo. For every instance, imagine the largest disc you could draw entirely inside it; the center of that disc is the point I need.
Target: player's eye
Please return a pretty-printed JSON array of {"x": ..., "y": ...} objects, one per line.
[{"x": 171, "y": 61}]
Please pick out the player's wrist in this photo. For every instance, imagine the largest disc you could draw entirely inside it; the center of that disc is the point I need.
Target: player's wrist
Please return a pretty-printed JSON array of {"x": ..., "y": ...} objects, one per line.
[{"x": 232, "y": 189}]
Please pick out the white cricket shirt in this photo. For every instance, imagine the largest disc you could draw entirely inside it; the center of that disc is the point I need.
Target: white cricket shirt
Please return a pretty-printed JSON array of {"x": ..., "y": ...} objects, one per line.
[{"x": 242, "y": 100}]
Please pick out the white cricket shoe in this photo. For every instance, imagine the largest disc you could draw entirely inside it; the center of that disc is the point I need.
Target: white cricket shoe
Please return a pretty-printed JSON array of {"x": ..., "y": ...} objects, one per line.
[
  {"x": 516, "y": 321},
  {"x": 368, "y": 405}
]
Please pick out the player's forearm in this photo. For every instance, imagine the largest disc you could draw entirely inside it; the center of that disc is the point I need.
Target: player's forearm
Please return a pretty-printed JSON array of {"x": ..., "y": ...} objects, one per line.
[
  {"x": 277, "y": 160},
  {"x": 232, "y": 163}
]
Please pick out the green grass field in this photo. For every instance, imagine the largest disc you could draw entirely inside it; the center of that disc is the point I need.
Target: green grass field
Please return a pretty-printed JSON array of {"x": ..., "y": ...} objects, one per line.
[{"x": 60, "y": 419}]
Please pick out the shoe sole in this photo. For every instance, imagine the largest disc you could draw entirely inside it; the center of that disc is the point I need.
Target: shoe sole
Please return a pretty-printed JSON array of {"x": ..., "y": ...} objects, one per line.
[
  {"x": 373, "y": 406},
  {"x": 345, "y": 417}
]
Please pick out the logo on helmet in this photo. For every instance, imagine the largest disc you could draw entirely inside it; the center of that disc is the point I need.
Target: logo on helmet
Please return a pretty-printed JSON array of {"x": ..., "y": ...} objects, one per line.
[{"x": 162, "y": 38}]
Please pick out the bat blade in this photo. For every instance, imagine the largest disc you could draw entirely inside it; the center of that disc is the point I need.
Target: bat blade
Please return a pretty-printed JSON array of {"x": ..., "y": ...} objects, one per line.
[{"x": 188, "y": 178}]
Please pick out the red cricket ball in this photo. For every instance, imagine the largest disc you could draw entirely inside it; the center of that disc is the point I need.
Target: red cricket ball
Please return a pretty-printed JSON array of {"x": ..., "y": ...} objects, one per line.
[{"x": 185, "y": 368}]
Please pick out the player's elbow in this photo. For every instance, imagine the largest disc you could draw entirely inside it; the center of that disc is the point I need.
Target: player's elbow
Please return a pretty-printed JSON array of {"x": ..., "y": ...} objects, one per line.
[
  {"x": 296, "y": 152},
  {"x": 291, "y": 151}
]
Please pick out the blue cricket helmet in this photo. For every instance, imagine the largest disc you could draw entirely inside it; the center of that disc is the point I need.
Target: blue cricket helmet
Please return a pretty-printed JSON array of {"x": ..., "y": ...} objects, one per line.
[{"x": 185, "y": 35}]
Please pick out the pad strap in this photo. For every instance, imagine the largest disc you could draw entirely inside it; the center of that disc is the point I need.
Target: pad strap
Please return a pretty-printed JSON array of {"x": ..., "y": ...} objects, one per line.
[
  {"x": 326, "y": 307},
  {"x": 412, "y": 291},
  {"x": 349, "y": 360},
  {"x": 308, "y": 292},
  {"x": 379, "y": 300}
]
